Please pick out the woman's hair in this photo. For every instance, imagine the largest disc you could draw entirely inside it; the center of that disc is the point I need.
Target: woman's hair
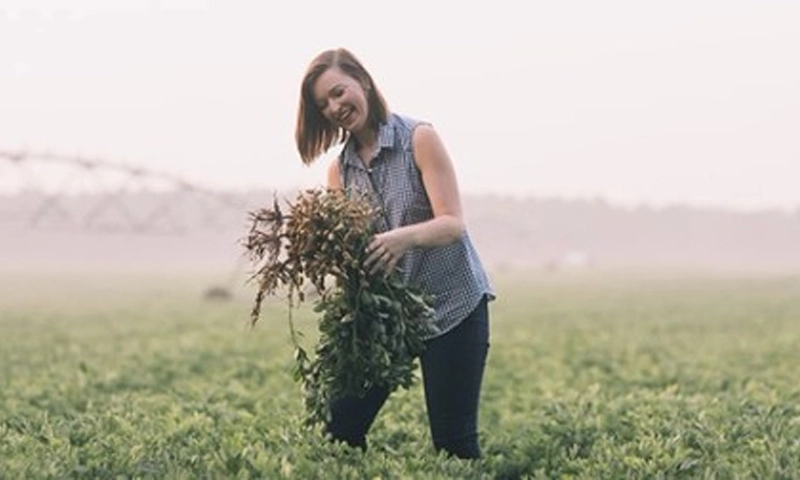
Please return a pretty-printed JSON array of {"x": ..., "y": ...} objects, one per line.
[{"x": 314, "y": 134}]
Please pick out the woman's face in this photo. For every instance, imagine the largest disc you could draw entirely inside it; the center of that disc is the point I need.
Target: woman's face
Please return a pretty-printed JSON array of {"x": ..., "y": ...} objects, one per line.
[{"x": 341, "y": 100}]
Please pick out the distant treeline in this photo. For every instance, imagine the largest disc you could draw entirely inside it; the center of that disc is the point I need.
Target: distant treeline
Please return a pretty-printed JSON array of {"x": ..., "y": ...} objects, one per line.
[
  {"x": 555, "y": 233},
  {"x": 540, "y": 233}
]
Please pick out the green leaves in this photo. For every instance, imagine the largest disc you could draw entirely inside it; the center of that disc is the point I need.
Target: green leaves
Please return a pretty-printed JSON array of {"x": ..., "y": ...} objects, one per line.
[
  {"x": 371, "y": 326},
  {"x": 588, "y": 378}
]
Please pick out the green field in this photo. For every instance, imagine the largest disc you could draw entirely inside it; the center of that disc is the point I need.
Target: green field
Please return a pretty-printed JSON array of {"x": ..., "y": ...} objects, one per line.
[{"x": 589, "y": 376}]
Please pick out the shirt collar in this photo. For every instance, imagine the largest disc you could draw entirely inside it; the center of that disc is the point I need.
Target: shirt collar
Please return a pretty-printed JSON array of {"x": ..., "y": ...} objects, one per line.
[{"x": 386, "y": 137}]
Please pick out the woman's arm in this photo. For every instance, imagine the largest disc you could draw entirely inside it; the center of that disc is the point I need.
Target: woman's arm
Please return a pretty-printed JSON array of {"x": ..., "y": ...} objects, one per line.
[
  {"x": 447, "y": 224},
  {"x": 439, "y": 178},
  {"x": 334, "y": 179}
]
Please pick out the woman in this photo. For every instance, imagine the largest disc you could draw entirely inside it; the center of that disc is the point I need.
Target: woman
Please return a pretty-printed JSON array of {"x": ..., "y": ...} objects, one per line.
[{"x": 403, "y": 166}]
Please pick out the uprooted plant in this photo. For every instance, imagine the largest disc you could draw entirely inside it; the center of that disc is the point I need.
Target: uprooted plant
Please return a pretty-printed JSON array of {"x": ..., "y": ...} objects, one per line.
[{"x": 371, "y": 325}]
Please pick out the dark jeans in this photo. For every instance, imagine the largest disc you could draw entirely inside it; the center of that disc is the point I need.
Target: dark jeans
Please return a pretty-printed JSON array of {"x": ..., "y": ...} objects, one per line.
[{"x": 452, "y": 370}]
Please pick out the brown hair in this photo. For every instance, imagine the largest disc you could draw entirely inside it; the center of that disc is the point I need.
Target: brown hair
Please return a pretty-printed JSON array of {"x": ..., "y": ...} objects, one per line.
[{"x": 314, "y": 134}]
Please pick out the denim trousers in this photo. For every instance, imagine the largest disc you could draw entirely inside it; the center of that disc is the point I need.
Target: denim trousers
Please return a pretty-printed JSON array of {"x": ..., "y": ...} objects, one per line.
[{"x": 452, "y": 371}]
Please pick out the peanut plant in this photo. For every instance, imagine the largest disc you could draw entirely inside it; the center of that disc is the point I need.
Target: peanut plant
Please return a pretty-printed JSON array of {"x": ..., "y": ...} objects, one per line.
[{"x": 371, "y": 325}]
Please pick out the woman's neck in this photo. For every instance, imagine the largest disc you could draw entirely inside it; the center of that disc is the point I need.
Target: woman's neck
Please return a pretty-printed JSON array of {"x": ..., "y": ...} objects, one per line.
[{"x": 366, "y": 141}]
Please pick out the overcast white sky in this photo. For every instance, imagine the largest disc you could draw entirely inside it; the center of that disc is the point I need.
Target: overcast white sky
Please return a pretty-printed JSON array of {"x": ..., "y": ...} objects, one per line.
[{"x": 634, "y": 101}]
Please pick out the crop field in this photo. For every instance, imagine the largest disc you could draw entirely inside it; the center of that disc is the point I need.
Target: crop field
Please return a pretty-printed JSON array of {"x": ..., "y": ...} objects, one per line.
[{"x": 589, "y": 376}]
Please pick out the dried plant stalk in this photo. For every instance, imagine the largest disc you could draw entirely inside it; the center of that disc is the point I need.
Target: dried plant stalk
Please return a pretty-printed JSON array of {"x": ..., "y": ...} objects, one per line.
[{"x": 371, "y": 325}]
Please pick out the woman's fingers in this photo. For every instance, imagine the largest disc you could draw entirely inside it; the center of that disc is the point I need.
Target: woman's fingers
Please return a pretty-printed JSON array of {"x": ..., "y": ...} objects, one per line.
[
  {"x": 373, "y": 253},
  {"x": 380, "y": 258},
  {"x": 385, "y": 251}
]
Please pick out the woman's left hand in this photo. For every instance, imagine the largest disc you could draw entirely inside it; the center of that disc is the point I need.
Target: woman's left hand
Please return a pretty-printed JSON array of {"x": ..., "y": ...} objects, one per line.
[{"x": 386, "y": 249}]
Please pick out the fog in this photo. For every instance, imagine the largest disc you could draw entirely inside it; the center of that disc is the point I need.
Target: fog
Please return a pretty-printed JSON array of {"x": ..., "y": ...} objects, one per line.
[
  {"x": 185, "y": 233},
  {"x": 585, "y": 135},
  {"x": 638, "y": 103}
]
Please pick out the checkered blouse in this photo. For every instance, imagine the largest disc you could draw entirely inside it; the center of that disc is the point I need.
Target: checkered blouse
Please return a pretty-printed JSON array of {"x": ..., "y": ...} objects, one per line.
[{"x": 453, "y": 274}]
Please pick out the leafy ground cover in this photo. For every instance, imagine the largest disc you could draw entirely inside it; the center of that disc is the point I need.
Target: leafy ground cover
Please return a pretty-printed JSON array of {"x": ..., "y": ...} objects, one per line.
[{"x": 589, "y": 376}]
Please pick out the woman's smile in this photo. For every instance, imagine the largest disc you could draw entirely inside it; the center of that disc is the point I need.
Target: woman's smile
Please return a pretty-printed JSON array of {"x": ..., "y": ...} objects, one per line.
[{"x": 344, "y": 116}]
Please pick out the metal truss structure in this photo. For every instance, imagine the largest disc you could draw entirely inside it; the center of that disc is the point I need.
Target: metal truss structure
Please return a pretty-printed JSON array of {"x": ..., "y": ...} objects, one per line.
[{"x": 43, "y": 190}]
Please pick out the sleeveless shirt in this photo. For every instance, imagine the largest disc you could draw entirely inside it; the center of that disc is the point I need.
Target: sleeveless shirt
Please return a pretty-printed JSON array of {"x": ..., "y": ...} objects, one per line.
[{"x": 452, "y": 274}]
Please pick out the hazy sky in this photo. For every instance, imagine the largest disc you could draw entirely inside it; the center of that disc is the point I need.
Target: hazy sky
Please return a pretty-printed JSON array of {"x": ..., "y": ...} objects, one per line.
[{"x": 634, "y": 101}]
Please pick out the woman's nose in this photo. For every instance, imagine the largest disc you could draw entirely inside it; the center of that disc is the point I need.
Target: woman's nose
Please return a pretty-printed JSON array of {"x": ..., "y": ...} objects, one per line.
[{"x": 333, "y": 107}]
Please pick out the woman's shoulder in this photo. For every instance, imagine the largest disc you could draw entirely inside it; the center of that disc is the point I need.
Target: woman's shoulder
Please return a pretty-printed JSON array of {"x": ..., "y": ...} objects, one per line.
[
  {"x": 404, "y": 127},
  {"x": 406, "y": 121}
]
